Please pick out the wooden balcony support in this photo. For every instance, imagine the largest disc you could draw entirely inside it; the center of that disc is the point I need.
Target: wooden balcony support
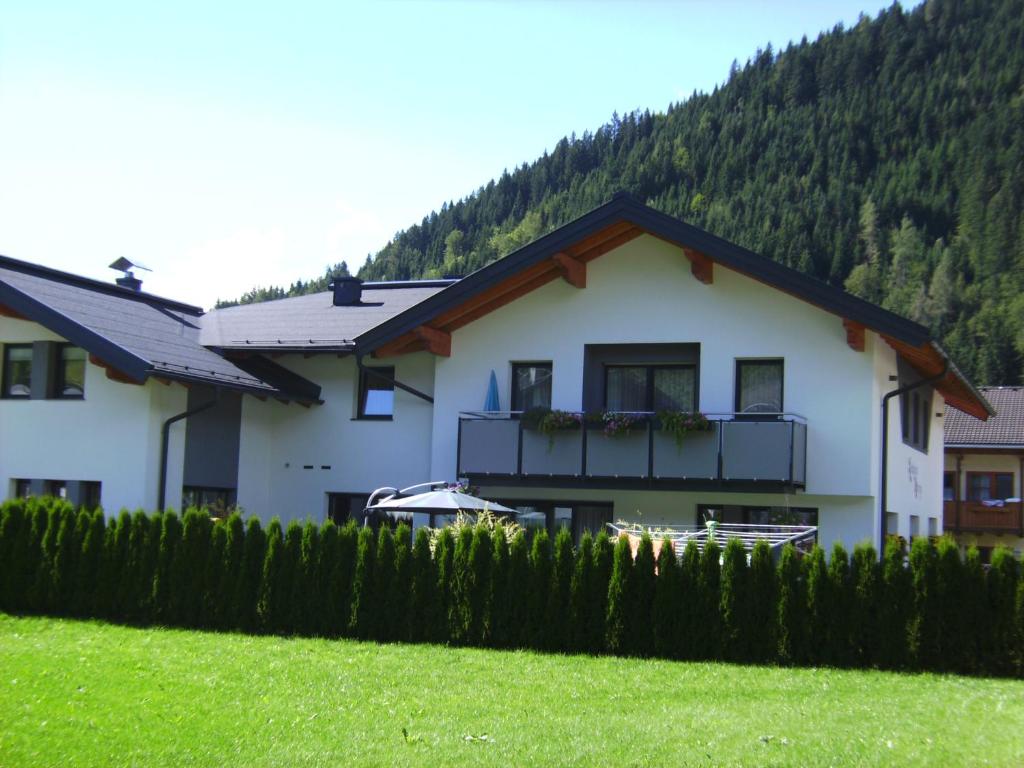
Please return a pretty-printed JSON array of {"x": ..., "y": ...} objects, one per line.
[
  {"x": 854, "y": 334},
  {"x": 701, "y": 266}
]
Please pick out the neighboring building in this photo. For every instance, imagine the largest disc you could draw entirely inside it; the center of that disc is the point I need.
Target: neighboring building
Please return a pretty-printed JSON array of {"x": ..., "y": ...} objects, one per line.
[
  {"x": 623, "y": 310},
  {"x": 982, "y": 484}
]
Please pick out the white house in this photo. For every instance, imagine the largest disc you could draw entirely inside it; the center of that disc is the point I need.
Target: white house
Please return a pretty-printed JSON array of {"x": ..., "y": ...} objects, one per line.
[{"x": 623, "y": 310}]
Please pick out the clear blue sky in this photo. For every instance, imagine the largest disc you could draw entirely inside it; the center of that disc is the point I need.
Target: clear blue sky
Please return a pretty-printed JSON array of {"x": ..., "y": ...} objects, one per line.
[{"x": 231, "y": 145}]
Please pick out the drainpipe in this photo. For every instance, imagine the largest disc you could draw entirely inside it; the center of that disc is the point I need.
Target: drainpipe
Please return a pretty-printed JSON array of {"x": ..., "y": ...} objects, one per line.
[
  {"x": 165, "y": 438},
  {"x": 885, "y": 446},
  {"x": 959, "y": 484},
  {"x": 375, "y": 372}
]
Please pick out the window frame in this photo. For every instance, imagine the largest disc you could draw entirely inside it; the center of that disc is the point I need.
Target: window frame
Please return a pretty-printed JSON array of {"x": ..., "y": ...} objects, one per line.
[
  {"x": 226, "y": 495},
  {"x": 364, "y": 376},
  {"x": 993, "y": 484},
  {"x": 59, "y": 375},
  {"x": 737, "y": 389},
  {"x": 649, "y": 369},
  {"x": 6, "y": 368},
  {"x": 515, "y": 398},
  {"x": 948, "y": 475}
]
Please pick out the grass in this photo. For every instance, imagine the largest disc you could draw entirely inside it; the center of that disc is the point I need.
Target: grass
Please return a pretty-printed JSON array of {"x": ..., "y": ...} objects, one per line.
[{"x": 87, "y": 693}]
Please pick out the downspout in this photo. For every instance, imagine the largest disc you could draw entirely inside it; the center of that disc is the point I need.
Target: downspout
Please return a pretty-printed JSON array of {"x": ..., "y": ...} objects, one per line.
[
  {"x": 165, "y": 438},
  {"x": 885, "y": 446},
  {"x": 375, "y": 372}
]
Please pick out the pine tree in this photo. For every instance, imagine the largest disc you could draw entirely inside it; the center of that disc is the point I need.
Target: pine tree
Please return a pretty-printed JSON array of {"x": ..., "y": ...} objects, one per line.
[
  {"x": 540, "y": 586},
  {"x": 896, "y": 606},
  {"x": 580, "y": 600},
  {"x": 924, "y": 640},
  {"x": 819, "y": 607},
  {"x": 792, "y": 607},
  {"x": 271, "y": 601},
  {"x": 443, "y": 558},
  {"x": 762, "y": 604},
  {"x": 620, "y": 595},
  {"x": 518, "y": 575},
  {"x": 423, "y": 613},
  {"x": 501, "y": 595},
  {"x": 1001, "y": 589},
  {"x": 734, "y": 603},
  {"x": 164, "y": 602},
  {"x": 363, "y": 612},
  {"x": 641, "y": 608},
  {"x": 559, "y": 595},
  {"x": 250, "y": 579},
  {"x": 668, "y": 602},
  {"x": 604, "y": 552},
  {"x": 397, "y": 605},
  {"x": 709, "y": 592},
  {"x": 841, "y": 629}
]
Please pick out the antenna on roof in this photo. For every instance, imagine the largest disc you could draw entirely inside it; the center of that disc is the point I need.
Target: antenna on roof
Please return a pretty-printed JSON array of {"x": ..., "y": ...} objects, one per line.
[{"x": 129, "y": 280}]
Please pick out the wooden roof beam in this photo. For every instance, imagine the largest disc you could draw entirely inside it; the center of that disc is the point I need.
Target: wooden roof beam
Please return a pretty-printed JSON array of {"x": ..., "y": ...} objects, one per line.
[
  {"x": 854, "y": 334},
  {"x": 437, "y": 342},
  {"x": 573, "y": 272},
  {"x": 702, "y": 267},
  {"x": 6, "y": 311}
]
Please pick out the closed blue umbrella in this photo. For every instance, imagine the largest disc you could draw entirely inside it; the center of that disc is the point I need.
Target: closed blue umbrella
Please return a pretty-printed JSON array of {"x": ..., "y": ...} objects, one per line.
[{"x": 492, "y": 403}]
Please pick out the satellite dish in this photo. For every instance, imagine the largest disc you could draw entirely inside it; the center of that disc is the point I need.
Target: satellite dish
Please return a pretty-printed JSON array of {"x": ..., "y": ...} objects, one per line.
[{"x": 125, "y": 265}]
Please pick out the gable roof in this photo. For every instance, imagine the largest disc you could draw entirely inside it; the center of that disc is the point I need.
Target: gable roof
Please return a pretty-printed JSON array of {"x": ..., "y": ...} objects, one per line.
[
  {"x": 1004, "y": 430},
  {"x": 136, "y": 334},
  {"x": 619, "y": 221},
  {"x": 312, "y": 321}
]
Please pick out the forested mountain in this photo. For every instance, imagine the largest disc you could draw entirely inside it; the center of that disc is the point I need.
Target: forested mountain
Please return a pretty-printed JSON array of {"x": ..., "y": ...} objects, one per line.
[{"x": 887, "y": 158}]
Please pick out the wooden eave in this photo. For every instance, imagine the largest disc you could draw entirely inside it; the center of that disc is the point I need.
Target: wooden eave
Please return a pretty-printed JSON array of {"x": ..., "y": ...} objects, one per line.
[{"x": 926, "y": 360}]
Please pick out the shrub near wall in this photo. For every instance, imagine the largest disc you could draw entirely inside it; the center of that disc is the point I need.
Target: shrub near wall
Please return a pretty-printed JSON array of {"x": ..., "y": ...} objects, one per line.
[{"x": 926, "y": 609}]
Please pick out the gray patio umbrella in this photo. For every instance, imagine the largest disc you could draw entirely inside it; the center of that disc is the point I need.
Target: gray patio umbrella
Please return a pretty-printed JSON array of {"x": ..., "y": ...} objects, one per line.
[{"x": 441, "y": 502}]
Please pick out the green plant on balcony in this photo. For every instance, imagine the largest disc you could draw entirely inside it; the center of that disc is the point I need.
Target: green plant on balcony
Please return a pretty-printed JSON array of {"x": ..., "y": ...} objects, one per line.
[
  {"x": 616, "y": 423},
  {"x": 681, "y": 423},
  {"x": 550, "y": 422}
]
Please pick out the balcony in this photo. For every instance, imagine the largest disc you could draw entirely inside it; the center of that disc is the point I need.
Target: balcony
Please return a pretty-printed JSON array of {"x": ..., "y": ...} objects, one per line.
[
  {"x": 766, "y": 453},
  {"x": 976, "y": 517}
]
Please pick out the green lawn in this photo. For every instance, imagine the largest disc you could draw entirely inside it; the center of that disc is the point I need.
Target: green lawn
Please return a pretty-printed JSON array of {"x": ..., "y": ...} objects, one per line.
[{"x": 85, "y": 693}]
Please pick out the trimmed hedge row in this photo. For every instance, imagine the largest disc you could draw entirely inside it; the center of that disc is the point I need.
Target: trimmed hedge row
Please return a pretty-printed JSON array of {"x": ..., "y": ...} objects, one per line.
[{"x": 926, "y": 609}]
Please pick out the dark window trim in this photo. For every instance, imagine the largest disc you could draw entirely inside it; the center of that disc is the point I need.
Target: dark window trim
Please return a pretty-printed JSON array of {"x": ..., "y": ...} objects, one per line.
[
  {"x": 742, "y": 361},
  {"x": 992, "y": 483},
  {"x": 230, "y": 494},
  {"x": 649, "y": 389},
  {"x": 4, "y": 375},
  {"x": 58, "y": 373},
  {"x": 514, "y": 398},
  {"x": 949, "y": 475},
  {"x": 364, "y": 375},
  {"x": 346, "y": 497}
]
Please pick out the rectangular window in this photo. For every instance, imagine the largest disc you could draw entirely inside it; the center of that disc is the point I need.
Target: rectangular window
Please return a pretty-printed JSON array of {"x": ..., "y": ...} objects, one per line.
[
  {"x": 650, "y": 387},
  {"x": 377, "y": 394},
  {"x": 56, "y": 488},
  {"x": 531, "y": 386},
  {"x": 89, "y": 495},
  {"x": 342, "y": 507},
  {"x": 17, "y": 372},
  {"x": 915, "y": 408},
  {"x": 948, "y": 486},
  {"x": 22, "y": 488},
  {"x": 69, "y": 381},
  {"x": 988, "y": 486},
  {"x": 217, "y": 500},
  {"x": 759, "y": 386}
]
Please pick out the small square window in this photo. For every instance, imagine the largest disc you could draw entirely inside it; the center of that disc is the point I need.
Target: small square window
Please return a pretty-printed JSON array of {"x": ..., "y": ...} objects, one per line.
[
  {"x": 759, "y": 386},
  {"x": 22, "y": 488},
  {"x": 377, "y": 393},
  {"x": 531, "y": 386},
  {"x": 17, "y": 373},
  {"x": 69, "y": 382}
]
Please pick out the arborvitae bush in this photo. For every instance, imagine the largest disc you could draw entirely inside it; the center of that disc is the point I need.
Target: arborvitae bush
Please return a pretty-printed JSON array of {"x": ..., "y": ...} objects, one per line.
[
  {"x": 949, "y": 588},
  {"x": 213, "y": 580},
  {"x": 709, "y": 593},
  {"x": 363, "y": 614},
  {"x": 641, "y": 613},
  {"x": 229, "y": 597},
  {"x": 117, "y": 564},
  {"x": 620, "y": 595},
  {"x": 65, "y": 561},
  {"x": 272, "y": 604},
  {"x": 1002, "y": 595},
  {"x": 540, "y": 586},
  {"x": 89, "y": 562},
  {"x": 460, "y": 611},
  {"x": 13, "y": 540},
  {"x": 1018, "y": 615},
  {"x": 518, "y": 575},
  {"x": 734, "y": 603},
  {"x": 972, "y": 650},
  {"x": 305, "y": 600},
  {"x": 43, "y": 591},
  {"x": 189, "y": 567},
  {"x": 840, "y": 631},
  {"x": 580, "y": 595},
  {"x": 342, "y": 577},
  {"x": 290, "y": 579},
  {"x": 481, "y": 560},
  {"x": 250, "y": 580},
  {"x": 397, "y": 606},
  {"x": 792, "y": 607},
  {"x": 604, "y": 552},
  {"x": 423, "y": 606},
  {"x": 668, "y": 603},
  {"x": 819, "y": 607},
  {"x": 559, "y": 596},
  {"x": 690, "y": 641},
  {"x": 501, "y": 595},
  {"x": 329, "y": 600},
  {"x": 137, "y": 583},
  {"x": 865, "y": 574},
  {"x": 761, "y": 604},
  {"x": 444, "y": 552},
  {"x": 164, "y": 603},
  {"x": 924, "y": 639},
  {"x": 895, "y": 607},
  {"x": 104, "y": 603}
]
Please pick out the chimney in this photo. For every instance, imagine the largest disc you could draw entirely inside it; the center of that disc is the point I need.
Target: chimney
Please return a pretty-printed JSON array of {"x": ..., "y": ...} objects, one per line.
[
  {"x": 348, "y": 291},
  {"x": 129, "y": 281}
]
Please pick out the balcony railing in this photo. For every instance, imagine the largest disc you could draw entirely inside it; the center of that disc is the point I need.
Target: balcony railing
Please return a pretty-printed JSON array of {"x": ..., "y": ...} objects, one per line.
[
  {"x": 977, "y": 517},
  {"x": 739, "y": 451}
]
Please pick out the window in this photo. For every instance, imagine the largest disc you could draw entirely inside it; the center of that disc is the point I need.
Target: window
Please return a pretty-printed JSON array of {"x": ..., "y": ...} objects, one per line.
[
  {"x": 915, "y": 408},
  {"x": 217, "y": 500},
  {"x": 915, "y": 526},
  {"x": 650, "y": 387},
  {"x": 933, "y": 527},
  {"x": 342, "y": 507},
  {"x": 22, "y": 488},
  {"x": 759, "y": 386},
  {"x": 56, "y": 488},
  {"x": 751, "y": 515},
  {"x": 531, "y": 386},
  {"x": 17, "y": 373},
  {"x": 948, "y": 486},
  {"x": 376, "y": 394},
  {"x": 89, "y": 495},
  {"x": 69, "y": 381},
  {"x": 986, "y": 486}
]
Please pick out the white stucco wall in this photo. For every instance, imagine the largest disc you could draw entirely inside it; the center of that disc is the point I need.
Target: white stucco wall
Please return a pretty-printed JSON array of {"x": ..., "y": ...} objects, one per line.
[
  {"x": 111, "y": 436},
  {"x": 278, "y": 441}
]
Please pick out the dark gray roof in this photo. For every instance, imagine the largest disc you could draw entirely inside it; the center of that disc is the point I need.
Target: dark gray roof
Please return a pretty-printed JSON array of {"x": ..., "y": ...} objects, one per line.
[
  {"x": 1005, "y": 429},
  {"x": 136, "y": 333},
  {"x": 308, "y": 322}
]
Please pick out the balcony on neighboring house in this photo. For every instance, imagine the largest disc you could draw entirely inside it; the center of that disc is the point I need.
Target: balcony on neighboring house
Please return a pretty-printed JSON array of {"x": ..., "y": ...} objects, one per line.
[
  {"x": 982, "y": 517},
  {"x": 766, "y": 452}
]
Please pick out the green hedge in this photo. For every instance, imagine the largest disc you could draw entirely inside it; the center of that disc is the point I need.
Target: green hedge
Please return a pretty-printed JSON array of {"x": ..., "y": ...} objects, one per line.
[{"x": 926, "y": 609}]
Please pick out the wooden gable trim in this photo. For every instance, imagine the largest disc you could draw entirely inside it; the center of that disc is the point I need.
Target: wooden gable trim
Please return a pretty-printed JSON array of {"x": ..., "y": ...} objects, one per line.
[
  {"x": 854, "y": 334},
  {"x": 6, "y": 311},
  {"x": 927, "y": 362},
  {"x": 573, "y": 272},
  {"x": 437, "y": 342},
  {"x": 113, "y": 373},
  {"x": 701, "y": 266}
]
